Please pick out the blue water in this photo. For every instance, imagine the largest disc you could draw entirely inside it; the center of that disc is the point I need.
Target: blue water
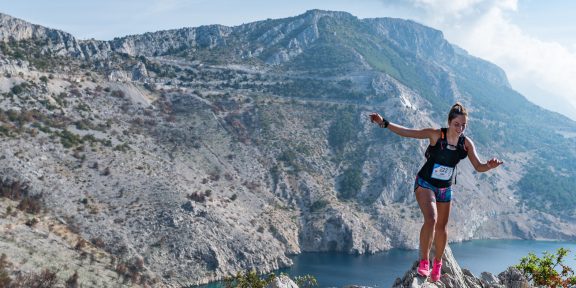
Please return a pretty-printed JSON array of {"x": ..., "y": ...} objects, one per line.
[{"x": 380, "y": 270}]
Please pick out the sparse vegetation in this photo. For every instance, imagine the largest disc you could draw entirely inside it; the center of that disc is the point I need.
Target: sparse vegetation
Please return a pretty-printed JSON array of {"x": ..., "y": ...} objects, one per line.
[
  {"x": 18, "y": 191},
  {"x": 72, "y": 282},
  {"x": 319, "y": 205},
  {"x": 46, "y": 278},
  {"x": 548, "y": 270},
  {"x": 350, "y": 183},
  {"x": 342, "y": 131},
  {"x": 251, "y": 279},
  {"x": 200, "y": 197}
]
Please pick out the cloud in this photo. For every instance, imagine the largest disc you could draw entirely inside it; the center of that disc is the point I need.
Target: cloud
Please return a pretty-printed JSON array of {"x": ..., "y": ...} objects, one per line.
[
  {"x": 543, "y": 71},
  {"x": 529, "y": 62}
]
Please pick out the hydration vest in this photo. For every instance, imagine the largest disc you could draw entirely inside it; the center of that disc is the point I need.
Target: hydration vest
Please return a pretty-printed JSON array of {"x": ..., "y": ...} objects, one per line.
[{"x": 441, "y": 161}]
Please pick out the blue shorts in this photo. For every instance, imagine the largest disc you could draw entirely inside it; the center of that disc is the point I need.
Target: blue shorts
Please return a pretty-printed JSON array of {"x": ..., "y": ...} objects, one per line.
[{"x": 441, "y": 194}]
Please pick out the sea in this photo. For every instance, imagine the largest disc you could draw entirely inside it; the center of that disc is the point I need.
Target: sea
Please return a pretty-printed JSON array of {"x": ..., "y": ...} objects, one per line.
[{"x": 382, "y": 269}]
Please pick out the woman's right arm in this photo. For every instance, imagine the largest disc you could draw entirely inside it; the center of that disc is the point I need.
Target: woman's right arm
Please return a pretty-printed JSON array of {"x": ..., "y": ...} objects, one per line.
[{"x": 430, "y": 133}]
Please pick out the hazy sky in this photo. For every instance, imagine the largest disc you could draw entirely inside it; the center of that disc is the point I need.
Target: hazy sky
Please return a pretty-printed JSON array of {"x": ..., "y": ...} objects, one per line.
[{"x": 534, "y": 41}]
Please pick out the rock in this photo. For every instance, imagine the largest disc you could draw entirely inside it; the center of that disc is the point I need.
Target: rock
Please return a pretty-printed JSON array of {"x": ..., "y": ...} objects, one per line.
[
  {"x": 450, "y": 266},
  {"x": 513, "y": 278},
  {"x": 488, "y": 279},
  {"x": 282, "y": 281},
  {"x": 139, "y": 72},
  {"x": 455, "y": 277}
]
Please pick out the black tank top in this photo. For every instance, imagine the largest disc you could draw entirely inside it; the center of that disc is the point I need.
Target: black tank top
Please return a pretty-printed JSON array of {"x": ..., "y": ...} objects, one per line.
[{"x": 439, "y": 169}]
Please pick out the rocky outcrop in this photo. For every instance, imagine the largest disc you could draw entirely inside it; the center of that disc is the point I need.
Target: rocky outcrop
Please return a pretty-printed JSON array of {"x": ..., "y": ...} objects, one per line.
[
  {"x": 453, "y": 276},
  {"x": 282, "y": 281}
]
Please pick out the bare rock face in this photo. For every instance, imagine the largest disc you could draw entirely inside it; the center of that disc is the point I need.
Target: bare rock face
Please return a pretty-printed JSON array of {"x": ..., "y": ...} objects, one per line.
[
  {"x": 453, "y": 276},
  {"x": 282, "y": 281},
  {"x": 512, "y": 278}
]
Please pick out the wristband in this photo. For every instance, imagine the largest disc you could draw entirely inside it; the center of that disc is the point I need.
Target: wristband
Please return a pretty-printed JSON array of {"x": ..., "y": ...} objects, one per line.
[{"x": 384, "y": 123}]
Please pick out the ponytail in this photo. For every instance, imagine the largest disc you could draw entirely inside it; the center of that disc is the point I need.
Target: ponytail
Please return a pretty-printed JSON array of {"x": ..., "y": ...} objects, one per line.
[{"x": 457, "y": 110}]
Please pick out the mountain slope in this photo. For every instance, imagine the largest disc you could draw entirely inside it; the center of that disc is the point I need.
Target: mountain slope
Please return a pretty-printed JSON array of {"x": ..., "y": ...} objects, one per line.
[{"x": 205, "y": 151}]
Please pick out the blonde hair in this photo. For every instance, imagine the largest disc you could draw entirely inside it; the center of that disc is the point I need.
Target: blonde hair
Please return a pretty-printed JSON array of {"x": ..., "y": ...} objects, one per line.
[{"x": 457, "y": 110}]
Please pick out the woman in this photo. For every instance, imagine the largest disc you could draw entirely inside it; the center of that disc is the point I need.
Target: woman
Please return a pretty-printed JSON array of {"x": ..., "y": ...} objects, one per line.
[{"x": 433, "y": 185}]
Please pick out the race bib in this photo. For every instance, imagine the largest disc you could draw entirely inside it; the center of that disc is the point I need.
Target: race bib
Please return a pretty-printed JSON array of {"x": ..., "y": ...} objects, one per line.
[{"x": 442, "y": 172}]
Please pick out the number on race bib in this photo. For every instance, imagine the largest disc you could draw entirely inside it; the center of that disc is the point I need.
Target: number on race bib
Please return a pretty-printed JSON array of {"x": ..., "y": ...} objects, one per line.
[{"x": 442, "y": 172}]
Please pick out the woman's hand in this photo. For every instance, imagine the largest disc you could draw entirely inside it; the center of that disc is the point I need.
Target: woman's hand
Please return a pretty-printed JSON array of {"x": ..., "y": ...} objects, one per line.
[
  {"x": 375, "y": 117},
  {"x": 493, "y": 163}
]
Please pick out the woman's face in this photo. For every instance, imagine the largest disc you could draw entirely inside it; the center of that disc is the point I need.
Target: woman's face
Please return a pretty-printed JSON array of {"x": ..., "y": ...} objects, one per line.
[{"x": 458, "y": 124}]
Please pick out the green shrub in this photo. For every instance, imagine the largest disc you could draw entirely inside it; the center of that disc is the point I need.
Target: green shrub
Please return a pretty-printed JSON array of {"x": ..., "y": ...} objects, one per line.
[
  {"x": 318, "y": 205},
  {"x": 122, "y": 147},
  {"x": 250, "y": 279},
  {"x": 549, "y": 271},
  {"x": 306, "y": 281},
  {"x": 342, "y": 131},
  {"x": 69, "y": 139},
  {"x": 350, "y": 183}
]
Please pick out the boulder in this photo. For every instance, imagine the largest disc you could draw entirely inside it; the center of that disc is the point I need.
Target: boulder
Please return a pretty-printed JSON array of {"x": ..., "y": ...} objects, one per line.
[
  {"x": 282, "y": 281},
  {"x": 513, "y": 278}
]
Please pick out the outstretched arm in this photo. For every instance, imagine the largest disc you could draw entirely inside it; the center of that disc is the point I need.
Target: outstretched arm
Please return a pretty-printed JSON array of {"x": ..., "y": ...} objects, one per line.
[
  {"x": 473, "y": 157},
  {"x": 429, "y": 133}
]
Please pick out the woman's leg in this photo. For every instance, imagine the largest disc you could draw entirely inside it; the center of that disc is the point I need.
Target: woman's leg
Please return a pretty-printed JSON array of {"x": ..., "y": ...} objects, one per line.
[
  {"x": 441, "y": 233},
  {"x": 426, "y": 201}
]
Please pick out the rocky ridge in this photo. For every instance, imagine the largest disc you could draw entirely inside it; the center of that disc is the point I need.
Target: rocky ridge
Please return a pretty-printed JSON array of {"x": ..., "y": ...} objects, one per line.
[
  {"x": 453, "y": 276},
  {"x": 211, "y": 150}
]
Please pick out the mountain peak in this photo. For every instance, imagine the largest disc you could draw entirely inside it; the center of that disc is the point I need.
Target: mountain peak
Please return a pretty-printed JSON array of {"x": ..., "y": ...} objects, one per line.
[{"x": 318, "y": 12}]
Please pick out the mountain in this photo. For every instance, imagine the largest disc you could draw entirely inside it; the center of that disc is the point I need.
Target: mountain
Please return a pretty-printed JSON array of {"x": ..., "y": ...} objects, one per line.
[{"x": 178, "y": 157}]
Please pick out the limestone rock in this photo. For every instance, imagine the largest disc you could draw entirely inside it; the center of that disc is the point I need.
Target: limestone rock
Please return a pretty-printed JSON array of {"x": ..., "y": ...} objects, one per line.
[
  {"x": 282, "y": 281},
  {"x": 488, "y": 279},
  {"x": 453, "y": 276},
  {"x": 513, "y": 278}
]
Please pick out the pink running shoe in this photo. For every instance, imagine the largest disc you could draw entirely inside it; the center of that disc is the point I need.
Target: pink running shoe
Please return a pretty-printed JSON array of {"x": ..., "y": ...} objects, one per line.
[
  {"x": 424, "y": 268},
  {"x": 436, "y": 270}
]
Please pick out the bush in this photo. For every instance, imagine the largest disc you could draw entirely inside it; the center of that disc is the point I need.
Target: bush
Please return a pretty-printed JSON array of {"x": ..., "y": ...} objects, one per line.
[
  {"x": 250, "y": 279},
  {"x": 31, "y": 204},
  {"x": 544, "y": 271},
  {"x": 13, "y": 190},
  {"x": 69, "y": 139},
  {"x": 319, "y": 205},
  {"x": 118, "y": 94},
  {"x": 306, "y": 281},
  {"x": 17, "y": 89},
  {"x": 45, "y": 279},
  {"x": 197, "y": 197},
  {"x": 72, "y": 282},
  {"x": 342, "y": 131},
  {"x": 350, "y": 183}
]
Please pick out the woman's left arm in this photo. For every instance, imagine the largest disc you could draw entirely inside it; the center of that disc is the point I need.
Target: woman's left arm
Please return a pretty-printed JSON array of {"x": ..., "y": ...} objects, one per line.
[{"x": 473, "y": 157}]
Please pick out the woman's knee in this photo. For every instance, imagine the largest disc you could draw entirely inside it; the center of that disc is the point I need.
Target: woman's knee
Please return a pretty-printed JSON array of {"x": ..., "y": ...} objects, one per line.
[
  {"x": 440, "y": 227},
  {"x": 431, "y": 220}
]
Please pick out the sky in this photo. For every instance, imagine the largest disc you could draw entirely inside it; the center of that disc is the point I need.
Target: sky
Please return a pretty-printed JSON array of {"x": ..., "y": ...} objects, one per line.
[{"x": 532, "y": 40}]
